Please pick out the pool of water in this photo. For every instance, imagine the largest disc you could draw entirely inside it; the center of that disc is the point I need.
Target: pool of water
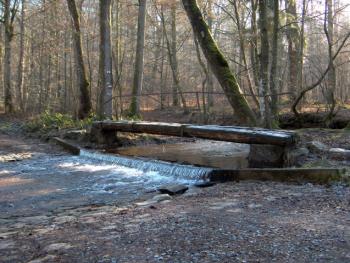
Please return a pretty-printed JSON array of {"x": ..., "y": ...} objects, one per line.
[{"x": 215, "y": 154}]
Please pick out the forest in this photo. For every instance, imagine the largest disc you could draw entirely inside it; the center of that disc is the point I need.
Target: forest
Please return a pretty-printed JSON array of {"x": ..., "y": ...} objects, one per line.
[
  {"x": 174, "y": 131},
  {"x": 249, "y": 60}
]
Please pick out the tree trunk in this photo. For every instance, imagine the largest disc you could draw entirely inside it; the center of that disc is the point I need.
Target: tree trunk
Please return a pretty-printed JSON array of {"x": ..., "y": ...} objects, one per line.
[
  {"x": 219, "y": 64},
  {"x": 21, "y": 59},
  {"x": 264, "y": 64},
  {"x": 83, "y": 83},
  {"x": 1, "y": 64},
  {"x": 173, "y": 56},
  {"x": 331, "y": 76},
  {"x": 274, "y": 60},
  {"x": 243, "y": 55},
  {"x": 9, "y": 107},
  {"x": 293, "y": 46},
  {"x": 254, "y": 44},
  {"x": 139, "y": 60},
  {"x": 105, "y": 71},
  {"x": 210, "y": 80},
  {"x": 172, "y": 51}
]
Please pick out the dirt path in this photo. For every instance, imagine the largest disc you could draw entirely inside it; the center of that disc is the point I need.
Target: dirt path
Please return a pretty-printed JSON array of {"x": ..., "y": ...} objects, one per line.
[{"x": 233, "y": 222}]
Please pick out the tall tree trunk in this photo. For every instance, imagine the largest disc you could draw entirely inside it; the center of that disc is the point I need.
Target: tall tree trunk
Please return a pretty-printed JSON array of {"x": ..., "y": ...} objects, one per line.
[
  {"x": 21, "y": 58},
  {"x": 83, "y": 83},
  {"x": 274, "y": 60},
  {"x": 210, "y": 80},
  {"x": 243, "y": 55},
  {"x": 254, "y": 43},
  {"x": 1, "y": 64},
  {"x": 331, "y": 76},
  {"x": 172, "y": 54},
  {"x": 264, "y": 64},
  {"x": 293, "y": 46},
  {"x": 139, "y": 60},
  {"x": 8, "y": 21},
  {"x": 117, "y": 53},
  {"x": 219, "y": 64},
  {"x": 105, "y": 71}
]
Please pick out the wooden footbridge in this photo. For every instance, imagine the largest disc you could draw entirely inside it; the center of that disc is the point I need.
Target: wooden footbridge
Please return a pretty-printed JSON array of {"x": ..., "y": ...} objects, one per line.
[{"x": 268, "y": 147}]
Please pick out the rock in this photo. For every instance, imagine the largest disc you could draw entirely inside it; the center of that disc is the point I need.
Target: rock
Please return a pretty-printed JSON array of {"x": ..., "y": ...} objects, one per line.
[
  {"x": 64, "y": 219},
  {"x": 193, "y": 191},
  {"x": 162, "y": 197},
  {"x": 317, "y": 147},
  {"x": 339, "y": 153},
  {"x": 295, "y": 155},
  {"x": 48, "y": 258},
  {"x": 57, "y": 247},
  {"x": 76, "y": 135},
  {"x": 204, "y": 184},
  {"x": 173, "y": 189}
]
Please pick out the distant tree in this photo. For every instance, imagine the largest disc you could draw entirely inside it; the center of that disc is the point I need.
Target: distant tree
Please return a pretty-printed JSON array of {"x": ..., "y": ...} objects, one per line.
[
  {"x": 105, "y": 65},
  {"x": 139, "y": 60},
  {"x": 10, "y": 10},
  {"x": 84, "y": 97}
]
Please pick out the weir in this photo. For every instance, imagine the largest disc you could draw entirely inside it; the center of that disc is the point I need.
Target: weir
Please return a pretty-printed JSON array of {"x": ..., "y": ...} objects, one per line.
[{"x": 189, "y": 172}]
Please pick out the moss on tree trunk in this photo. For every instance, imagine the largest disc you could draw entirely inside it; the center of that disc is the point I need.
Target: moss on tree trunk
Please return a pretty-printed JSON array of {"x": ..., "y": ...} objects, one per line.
[{"x": 219, "y": 64}]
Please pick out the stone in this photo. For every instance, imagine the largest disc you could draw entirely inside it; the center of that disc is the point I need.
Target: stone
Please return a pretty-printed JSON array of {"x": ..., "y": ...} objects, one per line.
[
  {"x": 48, "y": 258},
  {"x": 295, "y": 155},
  {"x": 146, "y": 203},
  {"x": 173, "y": 189},
  {"x": 204, "y": 184},
  {"x": 76, "y": 135},
  {"x": 6, "y": 244},
  {"x": 57, "y": 247},
  {"x": 317, "y": 147},
  {"x": 162, "y": 197},
  {"x": 64, "y": 219},
  {"x": 339, "y": 153}
]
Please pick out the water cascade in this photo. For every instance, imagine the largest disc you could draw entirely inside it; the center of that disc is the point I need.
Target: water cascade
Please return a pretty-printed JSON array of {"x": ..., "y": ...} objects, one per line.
[{"x": 189, "y": 172}]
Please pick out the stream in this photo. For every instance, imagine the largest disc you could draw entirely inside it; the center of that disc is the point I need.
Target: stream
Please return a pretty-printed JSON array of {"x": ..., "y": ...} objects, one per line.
[{"x": 46, "y": 182}]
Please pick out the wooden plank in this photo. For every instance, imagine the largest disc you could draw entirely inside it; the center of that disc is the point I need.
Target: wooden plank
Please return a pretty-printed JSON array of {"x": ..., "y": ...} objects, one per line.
[
  {"x": 312, "y": 175},
  {"x": 241, "y": 134},
  {"x": 75, "y": 150},
  {"x": 213, "y": 132}
]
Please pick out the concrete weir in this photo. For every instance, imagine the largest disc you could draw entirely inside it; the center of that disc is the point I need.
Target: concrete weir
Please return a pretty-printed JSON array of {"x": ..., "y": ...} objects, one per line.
[
  {"x": 206, "y": 174},
  {"x": 268, "y": 148}
]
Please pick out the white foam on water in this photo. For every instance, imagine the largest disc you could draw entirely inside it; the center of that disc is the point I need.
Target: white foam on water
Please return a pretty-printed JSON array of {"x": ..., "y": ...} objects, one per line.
[
  {"x": 188, "y": 172},
  {"x": 122, "y": 174}
]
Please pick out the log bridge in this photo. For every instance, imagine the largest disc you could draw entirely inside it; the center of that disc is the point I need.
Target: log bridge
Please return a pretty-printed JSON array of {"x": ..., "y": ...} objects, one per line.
[{"x": 268, "y": 148}]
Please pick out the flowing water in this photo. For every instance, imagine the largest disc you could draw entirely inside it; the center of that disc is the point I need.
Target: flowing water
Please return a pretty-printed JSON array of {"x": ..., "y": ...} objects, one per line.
[{"x": 46, "y": 182}]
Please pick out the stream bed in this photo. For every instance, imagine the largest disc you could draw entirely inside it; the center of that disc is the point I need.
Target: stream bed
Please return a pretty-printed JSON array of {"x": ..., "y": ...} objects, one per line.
[{"x": 49, "y": 181}]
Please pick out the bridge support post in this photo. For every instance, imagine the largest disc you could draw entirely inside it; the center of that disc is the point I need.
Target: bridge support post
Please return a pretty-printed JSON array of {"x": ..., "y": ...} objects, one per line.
[
  {"x": 102, "y": 136},
  {"x": 266, "y": 156}
]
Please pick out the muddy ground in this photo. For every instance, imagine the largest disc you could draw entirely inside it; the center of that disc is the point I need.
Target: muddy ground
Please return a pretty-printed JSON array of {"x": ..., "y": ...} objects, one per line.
[{"x": 231, "y": 222}]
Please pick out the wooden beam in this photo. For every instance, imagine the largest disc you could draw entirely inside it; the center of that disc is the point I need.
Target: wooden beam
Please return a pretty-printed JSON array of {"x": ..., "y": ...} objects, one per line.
[
  {"x": 212, "y": 132},
  {"x": 312, "y": 175}
]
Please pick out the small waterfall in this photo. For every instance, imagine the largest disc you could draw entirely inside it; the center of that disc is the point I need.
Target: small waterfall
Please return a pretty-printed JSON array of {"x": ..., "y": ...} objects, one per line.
[{"x": 164, "y": 168}]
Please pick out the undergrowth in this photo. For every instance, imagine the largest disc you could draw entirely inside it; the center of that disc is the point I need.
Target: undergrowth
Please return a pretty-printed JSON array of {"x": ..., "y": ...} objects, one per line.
[{"x": 56, "y": 121}]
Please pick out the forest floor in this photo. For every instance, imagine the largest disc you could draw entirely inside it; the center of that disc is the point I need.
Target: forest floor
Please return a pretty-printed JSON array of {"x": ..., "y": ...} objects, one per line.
[{"x": 233, "y": 222}]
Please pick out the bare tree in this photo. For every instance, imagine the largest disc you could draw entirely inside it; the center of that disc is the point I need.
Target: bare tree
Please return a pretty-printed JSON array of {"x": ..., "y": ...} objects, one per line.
[
  {"x": 105, "y": 70},
  {"x": 84, "y": 97},
  {"x": 10, "y": 10},
  {"x": 139, "y": 60}
]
